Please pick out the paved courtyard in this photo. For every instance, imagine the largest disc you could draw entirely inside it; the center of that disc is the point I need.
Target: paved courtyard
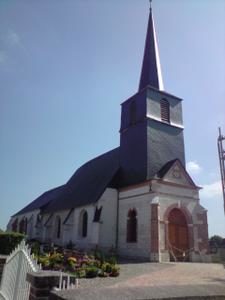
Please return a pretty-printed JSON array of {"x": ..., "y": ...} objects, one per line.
[{"x": 156, "y": 281}]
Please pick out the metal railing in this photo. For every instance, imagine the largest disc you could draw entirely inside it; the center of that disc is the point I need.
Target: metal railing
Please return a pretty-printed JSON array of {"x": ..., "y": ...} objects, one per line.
[{"x": 67, "y": 282}]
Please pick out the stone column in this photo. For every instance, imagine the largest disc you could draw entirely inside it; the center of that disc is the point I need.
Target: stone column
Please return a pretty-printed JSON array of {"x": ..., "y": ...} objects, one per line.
[
  {"x": 42, "y": 283},
  {"x": 202, "y": 226}
]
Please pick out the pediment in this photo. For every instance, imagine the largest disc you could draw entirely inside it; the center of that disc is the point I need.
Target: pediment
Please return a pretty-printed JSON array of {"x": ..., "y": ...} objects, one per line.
[{"x": 178, "y": 175}]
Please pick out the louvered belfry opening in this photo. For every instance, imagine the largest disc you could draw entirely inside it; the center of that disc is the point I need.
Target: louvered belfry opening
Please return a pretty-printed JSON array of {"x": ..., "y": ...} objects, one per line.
[{"x": 165, "y": 110}]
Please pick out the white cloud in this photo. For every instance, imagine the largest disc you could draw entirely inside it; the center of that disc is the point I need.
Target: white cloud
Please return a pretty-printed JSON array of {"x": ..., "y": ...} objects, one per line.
[
  {"x": 212, "y": 190},
  {"x": 13, "y": 38},
  {"x": 193, "y": 167}
]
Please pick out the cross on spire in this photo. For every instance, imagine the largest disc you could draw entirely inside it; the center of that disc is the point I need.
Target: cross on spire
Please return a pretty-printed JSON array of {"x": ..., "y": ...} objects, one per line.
[{"x": 150, "y": 1}]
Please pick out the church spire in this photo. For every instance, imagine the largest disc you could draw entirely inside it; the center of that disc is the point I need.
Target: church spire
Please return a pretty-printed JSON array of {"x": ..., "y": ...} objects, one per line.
[{"x": 151, "y": 70}]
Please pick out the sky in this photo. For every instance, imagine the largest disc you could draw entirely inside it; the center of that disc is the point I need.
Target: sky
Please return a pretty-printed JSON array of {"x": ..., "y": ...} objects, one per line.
[{"x": 65, "y": 68}]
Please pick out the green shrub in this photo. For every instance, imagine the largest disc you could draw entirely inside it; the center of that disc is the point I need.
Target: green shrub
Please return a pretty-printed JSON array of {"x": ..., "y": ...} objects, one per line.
[
  {"x": 9, "y": 241},
  {"x": 106, "y": 267},
  {"x": 81, "y": 273},
  {"x": 35, "y": 247},
  {"x": 44, "y": 260},
  {"x": 92, "y": 272},
  {"x": 55, "y": 258},
  {"x": 115, "y": 271}
]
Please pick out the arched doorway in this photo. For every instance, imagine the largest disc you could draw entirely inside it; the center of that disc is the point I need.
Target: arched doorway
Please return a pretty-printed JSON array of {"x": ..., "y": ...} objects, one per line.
[{"x": 178, "y": 236}]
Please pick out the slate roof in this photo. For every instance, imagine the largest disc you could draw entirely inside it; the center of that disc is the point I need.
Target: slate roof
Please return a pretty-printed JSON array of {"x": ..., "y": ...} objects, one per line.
[
  {"x": 42, "y": 200},
  {"x": 86, "y": 185},
  {"x": 151, "y": 73}
]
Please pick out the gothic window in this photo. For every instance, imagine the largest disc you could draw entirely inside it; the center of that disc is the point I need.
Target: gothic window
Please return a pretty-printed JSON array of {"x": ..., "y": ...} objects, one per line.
[
  {"x": 58, "y": 227},
  {"x": 83, "y": 226},
  {"x": 23, "y": 226},
  {"x": 165, "y": 110},
  {"x": 97, "y": 214},
  {"x": 133, "y": 113},
  {"x": 132, "y": 226},
  {"x": 15, "y": 225}
]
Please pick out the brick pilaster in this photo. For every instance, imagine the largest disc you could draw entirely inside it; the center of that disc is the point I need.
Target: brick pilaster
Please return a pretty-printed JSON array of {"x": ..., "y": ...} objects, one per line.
[{"x": 203, "y": 232}]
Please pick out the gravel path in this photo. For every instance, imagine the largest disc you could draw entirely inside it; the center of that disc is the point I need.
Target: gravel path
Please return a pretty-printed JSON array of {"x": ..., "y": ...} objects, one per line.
[
  {"x": 155, "y": 281},
  {"x": 155, "y": 274},
  {"x": 127, "y": 271}
]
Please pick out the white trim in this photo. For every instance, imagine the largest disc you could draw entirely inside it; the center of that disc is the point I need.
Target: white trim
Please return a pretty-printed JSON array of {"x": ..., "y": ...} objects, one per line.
[{"x": 159, "y": 120}]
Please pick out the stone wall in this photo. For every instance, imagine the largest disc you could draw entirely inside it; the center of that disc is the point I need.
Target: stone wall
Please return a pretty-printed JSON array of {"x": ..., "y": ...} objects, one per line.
[
  {"x": 108, "y": 220},
  {"x": 138, "y": 198},
  {"x": 42, "y": 283}
]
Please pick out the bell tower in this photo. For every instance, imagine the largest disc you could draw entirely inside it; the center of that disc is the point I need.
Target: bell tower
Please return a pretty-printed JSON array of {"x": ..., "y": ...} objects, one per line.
[{"x": 151, "y": 132}]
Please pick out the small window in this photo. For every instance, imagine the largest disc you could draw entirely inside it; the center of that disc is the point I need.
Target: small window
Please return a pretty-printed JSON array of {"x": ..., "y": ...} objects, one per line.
[
  {"x": 97, "y": 214},
  {"x": 15, "y": 225},
  {"x": 83, "y": 224},
  {"x": 132, "y": 226},
  {"x": 58, "y": 227},
  {"x": 133, "y": 113},
  {"x": 165, "y": 110},
  {"x": 23, "y": 226}
]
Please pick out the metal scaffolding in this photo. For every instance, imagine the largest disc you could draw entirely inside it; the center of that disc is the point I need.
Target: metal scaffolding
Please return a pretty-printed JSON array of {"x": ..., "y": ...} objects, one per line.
[{"x": 221, "y": 152}]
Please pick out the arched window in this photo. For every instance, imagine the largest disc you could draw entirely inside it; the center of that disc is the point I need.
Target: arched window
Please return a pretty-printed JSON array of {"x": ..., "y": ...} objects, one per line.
[
  {"x": 83, "y": 223},
  {"x": 23, "y": 226},
  {"x": 132, "y": 226},
  {"x": 133, "y": 113},
  {"x": 15, "y": 225},
  {"x": 57, "y": 227},
  {"x": 165, "y": 110}
]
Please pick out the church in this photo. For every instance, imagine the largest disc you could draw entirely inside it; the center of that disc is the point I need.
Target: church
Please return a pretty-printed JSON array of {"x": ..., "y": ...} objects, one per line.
[{"x": 138, "y": 198}]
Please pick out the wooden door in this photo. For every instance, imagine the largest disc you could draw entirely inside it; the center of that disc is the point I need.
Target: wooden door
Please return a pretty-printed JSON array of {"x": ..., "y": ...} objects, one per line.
[{"x": 178, "y": 236}]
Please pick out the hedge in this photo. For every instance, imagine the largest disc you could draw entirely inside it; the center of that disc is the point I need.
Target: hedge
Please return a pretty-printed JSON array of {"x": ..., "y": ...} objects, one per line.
[{"x": 9, "y": 241}]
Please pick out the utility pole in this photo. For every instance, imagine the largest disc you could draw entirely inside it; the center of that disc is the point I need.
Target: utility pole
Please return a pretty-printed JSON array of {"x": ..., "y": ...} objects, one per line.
[{"x": 221, "y": 152}]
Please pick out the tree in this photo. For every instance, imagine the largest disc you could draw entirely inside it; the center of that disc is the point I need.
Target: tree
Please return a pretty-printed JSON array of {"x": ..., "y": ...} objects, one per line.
[{"x": 216, "y": 240}]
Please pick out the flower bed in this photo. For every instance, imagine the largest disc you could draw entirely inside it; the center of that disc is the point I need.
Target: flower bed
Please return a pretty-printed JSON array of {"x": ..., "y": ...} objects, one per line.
[{"x": 80, "y": 264}]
